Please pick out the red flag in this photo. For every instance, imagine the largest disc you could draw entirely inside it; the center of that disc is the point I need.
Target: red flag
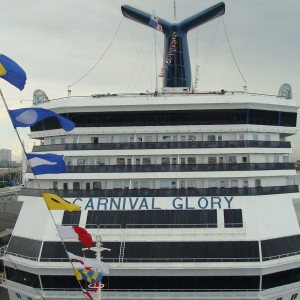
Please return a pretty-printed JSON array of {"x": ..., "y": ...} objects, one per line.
[
  {"x": 75, "y": 232},
  {"x": 88, "y": 294}
]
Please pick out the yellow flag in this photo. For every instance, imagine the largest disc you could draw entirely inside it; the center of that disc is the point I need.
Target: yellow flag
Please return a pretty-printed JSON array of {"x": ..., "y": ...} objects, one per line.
[{"x": 54, "y": 202}]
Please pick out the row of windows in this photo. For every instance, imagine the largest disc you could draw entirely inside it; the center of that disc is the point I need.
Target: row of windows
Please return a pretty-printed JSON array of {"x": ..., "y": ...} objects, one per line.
[
  {"x": 156, "y": 218},
  {"x": 173, "y": 160},
  {"x": 158, "y": 184},
  {"x": 164, "y": 118},
  {"x": 161, "y": 282},
  {"x": 159, "y": 138}
]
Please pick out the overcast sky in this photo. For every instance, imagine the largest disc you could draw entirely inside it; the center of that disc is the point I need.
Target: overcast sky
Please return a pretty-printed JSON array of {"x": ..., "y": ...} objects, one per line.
[{"x": 58, "y": 41}]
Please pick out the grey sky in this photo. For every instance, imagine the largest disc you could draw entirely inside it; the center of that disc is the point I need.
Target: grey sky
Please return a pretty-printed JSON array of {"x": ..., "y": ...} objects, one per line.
[{"x": 56, "y": 42}]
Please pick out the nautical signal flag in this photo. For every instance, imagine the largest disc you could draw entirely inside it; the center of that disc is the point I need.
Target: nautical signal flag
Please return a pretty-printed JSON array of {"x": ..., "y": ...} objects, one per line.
[
  {"x": 75, "y": 233},
  {"x": 25, "y": 117},
  {"x": 54, "y": 202},
  {"x": 90, "y": 276},
  {"x": 88, "y": 294},
  {"x": 91, "y": 263},
  {"x": 46, "y": 163},
  {"x": 155, "y": 22},
  {"x": 12, "y": 72}
]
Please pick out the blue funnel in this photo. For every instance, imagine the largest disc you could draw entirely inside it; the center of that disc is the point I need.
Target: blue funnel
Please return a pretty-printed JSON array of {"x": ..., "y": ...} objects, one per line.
[{"x": 177, "y": 68}]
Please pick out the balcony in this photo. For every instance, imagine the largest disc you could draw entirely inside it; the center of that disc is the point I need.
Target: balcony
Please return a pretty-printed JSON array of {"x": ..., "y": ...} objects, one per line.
[
  {"x": 251, "y": 191},
  {"x": 163, "y": 145}
]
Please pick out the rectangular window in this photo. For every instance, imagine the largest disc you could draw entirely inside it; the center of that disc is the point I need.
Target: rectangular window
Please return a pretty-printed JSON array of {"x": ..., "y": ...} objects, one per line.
[
  {"x": 166, "y": 138},
  {"x": 173, "y": 185},
  {"x": 52, "y": 141},
  {"x": 88, "y": 186},
  {"x": 137, "y": 161},
  {"x": 97, "y": 185},
  {"x": 165, "y": 160},
  {"x": 211, "y": 138},
  {"x": 221, "y": 159},
  {"x": 232, "y": 159},
  {"x": 76, "y": 186},
  {"x": 255, "y": 137},
  {"x": 276, "y": 158},
  {"x": 192, "y": 160},
  {"x": 220, "y": 138},
  {"x": 233, "y": 218},
  {"x": 55, "y": 185},
  {"x": 212, "y": 160},
  {"x": 95, "y": 140},
  {"x": 174, "y": 160},
  {"x": 100, "y": 161},
  {"x": 212, "y": 183},
  {"x": 65, "y": 186},
  {"x": 182, "y": 160},
  {"x": 267, "y": 137},
  {"x": 139, "y": 139},
  {"x": 62, "y": 140},
  {"x": 146, "y": 161},
  {"x": 129, "y": 162},
  {"x": 244, "y": 159},
  {"x": 191, "y": 138},
  {"x": 175, "y": 138},
  {"x": 242, "y": 137},
  {"x": 191, "y": 184},
  {"x": 246, "y": 184},
  {"x": 75, "y": 138},
  {"x": 182, "y": 184},
  {"x": 80, "y": 162},
  {"x": 120, "y": 161},
  {"x": 222, "y": 184}
]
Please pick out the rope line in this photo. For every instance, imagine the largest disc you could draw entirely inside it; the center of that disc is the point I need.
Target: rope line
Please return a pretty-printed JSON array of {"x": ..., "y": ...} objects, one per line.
[
  {"x": 232, "y": 53},
  {"x": 99, "y": 60}
]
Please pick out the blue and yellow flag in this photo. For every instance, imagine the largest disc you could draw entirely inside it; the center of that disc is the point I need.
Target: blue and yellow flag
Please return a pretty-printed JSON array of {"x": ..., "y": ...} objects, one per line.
[
  {"x": 12, "y": 72},
  {"x": 54, "y": 202},
  {"x": 90, "y": 276}
]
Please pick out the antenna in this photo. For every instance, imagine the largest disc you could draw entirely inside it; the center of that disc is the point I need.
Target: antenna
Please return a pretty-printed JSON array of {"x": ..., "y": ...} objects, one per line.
[{"x": 175, "y": 18}]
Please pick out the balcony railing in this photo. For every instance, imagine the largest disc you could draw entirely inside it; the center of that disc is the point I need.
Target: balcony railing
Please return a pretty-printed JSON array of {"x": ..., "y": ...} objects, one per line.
[
  {"x": 251, "y": 191},
  {"x": 177, "y": 168},
  {"x": 163, "y": 145}
]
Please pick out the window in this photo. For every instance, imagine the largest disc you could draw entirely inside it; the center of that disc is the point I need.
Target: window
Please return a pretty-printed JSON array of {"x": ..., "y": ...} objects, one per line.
[
  {"x": 166, "y": 138},
  {"x": 220, "y": 138},
  {"x": 182, "y": 160},
  {"x": 192, "y": 160},
  {"x": 211, "y": 138},
  {"x": 74, "y": 139},
  {"x": 100, "y": 161},
  {"x": 257, "y": 183},
  {"x": 222, "y": 184},
  {"x": 174, "y": 160},
  {"x": 88, "y": 186},
  {"x": 69, "y": 162},
  {"x": 212, "y": 160},
  {"x": 103, "y": 139},
  {"x": 55, "y": 185},
  {"x": 232, "y": 159},
  {"x": 97, "y": 185},
  {"x": 242, "y": 137},
  {"x": 212, "y": 183},
  {"x": 246, "y": 184},
  {"x": 233, "y": 218},
  {"x": 165, "y": 160},
  {"x": 191, "y": 138},
  {"x": 144, "y": 184},
  {"x": 221, "y": 159},
  {"x": 139, "y": 139},
  {"x": 267, "y": 137},
  {"x": 191, "y": 184},
  {"x": 244, "y": 159},
  {"x": 121, "y": 161},
  {"x": 80, "y": 162},
  {"x": 52, "y": 141},
  {"x": 175, "y": 138},
  {"x": 95, "y": 140},
  {"x": 183, "y": 138},
  {"x": 146, "y": 161},
  {"x": 173, "y": 185},
  {"x": 276, "y": 158},
  {"x": 65, "y": 185},
  {"x": 76, "y": 186},
  {"x": 62, "y": 140},
  {"x": 129, "y": 162},
  {"x": 137, "y": 161},
  {"x": 255, "y": 137}
]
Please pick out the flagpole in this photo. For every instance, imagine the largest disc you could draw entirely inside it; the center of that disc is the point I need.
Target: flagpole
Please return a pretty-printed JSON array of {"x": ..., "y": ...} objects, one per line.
[{"x": 156, "y": 80}]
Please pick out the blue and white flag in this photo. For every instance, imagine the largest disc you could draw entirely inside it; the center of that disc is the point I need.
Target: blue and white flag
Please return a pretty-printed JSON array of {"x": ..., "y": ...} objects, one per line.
[
  {"x": 155, "y": 22},
  {"x": 46, "y": 163},
  {"x": 25, "y": 117}
]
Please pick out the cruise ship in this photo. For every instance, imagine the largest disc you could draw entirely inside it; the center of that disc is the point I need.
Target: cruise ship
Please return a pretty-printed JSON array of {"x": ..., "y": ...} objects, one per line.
[{"x": 193, "y": 192}]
